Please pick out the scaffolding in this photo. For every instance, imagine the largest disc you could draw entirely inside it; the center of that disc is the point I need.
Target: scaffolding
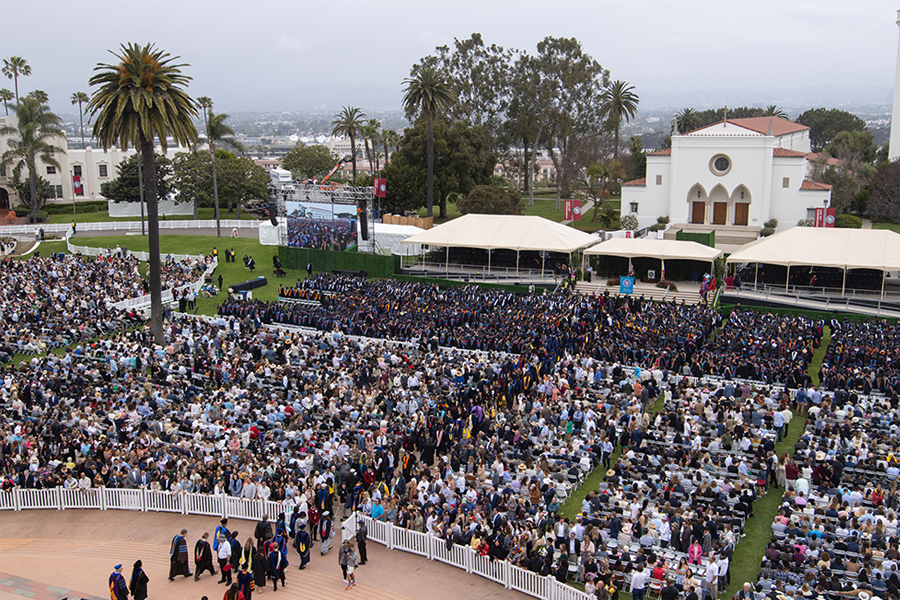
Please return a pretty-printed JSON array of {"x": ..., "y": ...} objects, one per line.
[{"x": 362, "y": 198}]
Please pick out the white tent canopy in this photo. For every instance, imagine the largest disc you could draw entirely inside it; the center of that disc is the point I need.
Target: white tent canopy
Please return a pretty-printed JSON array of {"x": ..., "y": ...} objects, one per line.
[
  {"x": 511, "y": 232},
  {"x": 825, "y": 247},
  {"x": 661, "y": 249}
]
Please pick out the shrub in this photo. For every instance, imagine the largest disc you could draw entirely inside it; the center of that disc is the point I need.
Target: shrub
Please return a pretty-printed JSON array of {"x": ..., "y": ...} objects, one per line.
[
  {"x": 771, "y": 224},
  {"x": 663, "y": 220},
  {"x": 66, "y": 209},
  {"x": 766, "y": 232},
  {"x": 657, "y": 227},
  {"x": 11, "y": 217},
  {"x": 613, "y": 281},
  {"x": 667, "y": 285},
  {"x": 41, "y": 217},
  {"x": 22, "y": 211},
  {"x": 806, "y": 223},
  {"x": 630, "y": 222},
  {"x": 848, "y": 222}
]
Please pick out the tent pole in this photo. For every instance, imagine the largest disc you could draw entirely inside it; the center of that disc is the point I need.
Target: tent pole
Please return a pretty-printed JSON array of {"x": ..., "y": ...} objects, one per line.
[
  {"x": 787, "y": 280},
  {"x": 517, "y": 263},
  {"x": 844, "y": 282},
  {"x": 755, "y": 276},
  {"x": 489, "y": 261},
  {"x": 447, "y": 262},
  {"x": 883, "y": 277},
  {"x": 543, "y": 260}
]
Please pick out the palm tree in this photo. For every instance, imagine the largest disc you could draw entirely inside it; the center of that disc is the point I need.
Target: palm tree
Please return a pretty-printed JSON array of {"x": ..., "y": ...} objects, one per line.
[
  {"x": 390, "y": 139},
  {"x": 773, "y": 111},
  {"x": 32, "y": 138},
  {"x": 370, "y": 133},
  {"x": 139, "y": 99},
  {"x": 348, "y": 123},
  {"x": 6, "y": 95},
  {"x": 619, "y": 102},
  {"x": 80, "y": 98},
  {"x": 603, "y": 175},
  {"x": 217, "y": 132},
  {"x": 13, "y": 67},
  {"x": 428, "y": 92},
  {"x": 687, "y": 120}
]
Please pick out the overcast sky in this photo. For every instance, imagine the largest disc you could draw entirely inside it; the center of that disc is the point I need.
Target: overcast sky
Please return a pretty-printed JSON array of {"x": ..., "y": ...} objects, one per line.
[{"x": 292, "y": 55}]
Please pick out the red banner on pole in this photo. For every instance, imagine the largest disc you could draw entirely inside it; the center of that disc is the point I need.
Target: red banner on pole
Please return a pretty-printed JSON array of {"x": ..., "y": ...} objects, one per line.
[
  {"x": 830, "y": 217},
  {"x": 76, "y": 185},
  {"x": 568, "y": 211},
  {"x": 381, "y": 191},
  {"x": 820, "y": 217},
  {"x": 577, "y": 210}
]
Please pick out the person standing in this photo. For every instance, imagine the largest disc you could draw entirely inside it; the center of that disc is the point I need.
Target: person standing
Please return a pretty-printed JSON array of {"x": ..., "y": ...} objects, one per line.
[
  {"x": 139, "y": 581},
  {"x": 343, "y": 555},
  {"x": 352, "y": 558},
  {"x": 233, "y": 593},
  {"x": 302, "y": 543},
  {"x": 260, "y": 570},
  {"x": 118, "y": 589},
  {"x": 245, "y": 582},
  {"x": 277, "y": 565},
  {"x": 326, "y": 531},
  {"x": 178, "y": 557},
  {"x": 362, "y": 535},
  {"x": 224, "y": 556},
  {"x": 308, "y": 270},
  {"x": 638, "y": 583},
  {"x": 203, "y": 560}
]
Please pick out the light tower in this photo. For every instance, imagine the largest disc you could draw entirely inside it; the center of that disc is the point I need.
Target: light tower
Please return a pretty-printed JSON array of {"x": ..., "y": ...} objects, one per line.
[{"x": 894, "y": 148}]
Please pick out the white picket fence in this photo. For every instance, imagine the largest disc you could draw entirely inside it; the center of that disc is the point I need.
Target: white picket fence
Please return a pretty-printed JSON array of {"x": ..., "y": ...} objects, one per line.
[
  {"x": 142, "y": 500},
  {"x": 227, "y": 226},
  {"x": 465, "y": 558}
]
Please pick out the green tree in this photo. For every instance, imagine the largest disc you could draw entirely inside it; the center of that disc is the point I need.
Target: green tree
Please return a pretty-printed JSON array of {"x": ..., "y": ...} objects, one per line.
[
  {"x": 33, "y": 138},
  {"x": 637, "y": 158},
  {"x": 239, "y": 179},
  {"x": 140, "y": 98},
  {"x": 369, "y": 133},
  {"x": 126, "y": 186},
  {"x": 884, "y": 192},
  {"x": 80, "y": 98},
  {"x": 311, "y": 162},
  {"x": 15, "y": 67},
  {"x": 218, "y": 132},
  {"x": 687, "y": 119},
  {"x": 618, "y": 101},
  {"x": 853, "y": 146},
  {"x": 391, "y": 140},
  {"x": 523, "y": 115},
  {"x": 773, "y": 111},
  {"x": 491, "y": 200},
  {"x": 6, "y": 95},
  {"x": 405, "y": 189},
  {"x": 22, "y": 187},
  {"x": 348, "y": 123},
  {"x": 571, "y": 83},
  {"x": 427, "y": 92},
  {"x": 601, "y": 179},
  {"x": 825, "y": 123}
]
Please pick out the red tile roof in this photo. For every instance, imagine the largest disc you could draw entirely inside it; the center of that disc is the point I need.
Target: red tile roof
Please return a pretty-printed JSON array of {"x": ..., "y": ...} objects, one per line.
[
  {"x": 761, "y": 125},
  {"x": 641, "y": 181},
  {"x": 830, "y": 160},
  {"x": 785, "y": 153},
  {"x": 663, "y": 152},
  {"x": 815, "y": 186}
]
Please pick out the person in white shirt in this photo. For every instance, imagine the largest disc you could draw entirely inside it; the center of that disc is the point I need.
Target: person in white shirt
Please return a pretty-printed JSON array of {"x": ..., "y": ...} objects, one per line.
[
  {"x": 638, "y": 583},
  {"x": 712, "y": 576}
]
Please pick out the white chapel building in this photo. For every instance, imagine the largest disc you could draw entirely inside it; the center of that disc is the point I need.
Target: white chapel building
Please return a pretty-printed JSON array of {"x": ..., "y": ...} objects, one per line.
[{"x": 731, "y": 176}]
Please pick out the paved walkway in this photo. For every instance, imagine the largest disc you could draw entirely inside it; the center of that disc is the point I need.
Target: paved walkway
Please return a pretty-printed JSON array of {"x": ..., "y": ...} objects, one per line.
[{"x": 47, "y": 553}]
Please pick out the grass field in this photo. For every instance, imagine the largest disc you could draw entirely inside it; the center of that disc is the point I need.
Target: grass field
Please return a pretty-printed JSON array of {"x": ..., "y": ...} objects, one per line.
[
  {"x": 103, "y": 216},
  {"x": 895, "y": 227},
  {"x": 193, "y": 244}
]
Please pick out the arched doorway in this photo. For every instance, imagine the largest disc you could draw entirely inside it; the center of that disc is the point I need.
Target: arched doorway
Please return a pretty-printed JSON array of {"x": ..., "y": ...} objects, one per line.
[
  {"x": 719, "y": 200},
  {"x": 741, "y": 200},
  {"x": 4, "y": 199},
  {"x": 697, "y": 200}
]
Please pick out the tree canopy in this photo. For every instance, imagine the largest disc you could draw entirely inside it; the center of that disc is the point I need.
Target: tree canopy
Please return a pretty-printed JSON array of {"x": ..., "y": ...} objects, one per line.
[
  {"x": 491, "y": 200},
  {"x": 312, "y": 161},
  {"x": 126, "y": 186},
  {"x": 825, "y": 123},
  {"x": 239, "y": 179}
]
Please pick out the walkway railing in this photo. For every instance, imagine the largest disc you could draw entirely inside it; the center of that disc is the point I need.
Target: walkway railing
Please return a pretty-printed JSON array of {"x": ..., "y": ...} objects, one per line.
[
  {"x": 463, "y": 557},
  {"x": 142, "y": 500},
  {"x": 227, "y": 224}
]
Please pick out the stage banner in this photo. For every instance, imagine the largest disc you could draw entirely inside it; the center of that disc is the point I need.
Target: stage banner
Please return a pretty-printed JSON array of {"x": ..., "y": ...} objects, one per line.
[
  {"x": 830, "y": 217},
  {"x": 568, "y": 211},
  {"x": 577, "y": 210},
  {"x": 626, "y": 285},
  {"x": 820, "y": 217}
]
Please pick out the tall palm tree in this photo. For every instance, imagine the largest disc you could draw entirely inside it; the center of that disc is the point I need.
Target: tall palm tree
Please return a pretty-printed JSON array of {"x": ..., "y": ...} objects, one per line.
[
  {"x": 348, "y": 123},
  {"x": 80, "y": 98},
  {"x": 773, "y": 111},
  {"x": 32, "y": 138},
  {"x": 688, "y": 120},
  {"x": 370, "y": 134},
  {"x": 6, "y": 95},
  {"x": 140, "y": 98},
  {"x": 428, "y": 92},
  {"x": 390, "y": 139},
  {"x": 13, "y": 67},
  {"x": 618, "y": 101},
  {"x": 217, "y": 132}
]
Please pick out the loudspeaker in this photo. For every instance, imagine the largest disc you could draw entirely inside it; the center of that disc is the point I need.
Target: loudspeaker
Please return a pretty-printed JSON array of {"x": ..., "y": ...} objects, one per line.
[
  {"x": 364, "y": 226},
  {"x": 273, "y": 208}
]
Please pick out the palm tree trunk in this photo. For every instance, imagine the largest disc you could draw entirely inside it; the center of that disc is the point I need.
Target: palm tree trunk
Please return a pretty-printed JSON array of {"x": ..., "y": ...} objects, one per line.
[
  {"x": 32, "y": 184},
  {"x": 385, "y": 151},
  {"x": 616, "y": 147},
  {"x": 369, "y": 155},
  {"x": 353, "y": 154},
  {"x": 525, "y": 160},
  {"x": 212, "y": 153},
  {"x": 154, "y": 273},
  {"x": 429, "y": 152},
  {"x": 81, "y": 118}
]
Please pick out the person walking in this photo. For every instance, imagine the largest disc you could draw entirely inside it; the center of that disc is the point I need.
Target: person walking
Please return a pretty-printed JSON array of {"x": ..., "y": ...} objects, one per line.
[
  {"x": 302, "y": 543},
  {"x": 362, "y": 535},
  {"x": 277, "y": 565},
  {"x": 233, "y": 593},
  {"x": 118, "y": 589},
  {"x": 224, "y": 556},
  {"x": 139, "y": 581},
  {"x": 245, "y": 582},
  {"x": 260, "y": 571},
  {"x": 352, "y": 559},
  {"x": 326, "y": 531},
  {"x": 178, "y": 557},
  {"x": 203, "y": 560},
  {"x": 343, "y": 555}
]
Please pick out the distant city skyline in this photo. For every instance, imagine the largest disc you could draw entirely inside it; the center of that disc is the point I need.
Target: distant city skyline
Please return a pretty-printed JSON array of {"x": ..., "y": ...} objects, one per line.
[{"x": 316, "y": 56}]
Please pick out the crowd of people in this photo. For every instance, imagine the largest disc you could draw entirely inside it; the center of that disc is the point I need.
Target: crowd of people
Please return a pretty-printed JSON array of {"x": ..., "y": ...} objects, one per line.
[
  {"x": 321, "y": 234},
  {"x": 863, "y": 355}
]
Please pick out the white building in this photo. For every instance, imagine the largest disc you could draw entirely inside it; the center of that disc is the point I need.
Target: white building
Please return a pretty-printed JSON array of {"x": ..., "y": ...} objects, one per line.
[
  {"x": 732, "y": 177},
  {"x": 92, "y": 165}
]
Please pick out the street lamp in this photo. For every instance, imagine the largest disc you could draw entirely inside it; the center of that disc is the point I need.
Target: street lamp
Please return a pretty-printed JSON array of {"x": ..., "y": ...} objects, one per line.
[{"x": 74, "y": 210}]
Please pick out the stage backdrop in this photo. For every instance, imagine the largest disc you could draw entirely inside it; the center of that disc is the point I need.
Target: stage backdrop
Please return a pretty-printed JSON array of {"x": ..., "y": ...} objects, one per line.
[{"x": 319, "y": 225}]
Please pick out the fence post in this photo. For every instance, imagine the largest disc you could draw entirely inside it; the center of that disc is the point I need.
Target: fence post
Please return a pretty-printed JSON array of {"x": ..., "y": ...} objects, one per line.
[
  {"x": 506, "y": 574},
  {"x": 59, "y": 499},
  {"x": 17, "y": 502},
  {"x": 469, "y": 557},
  {"x": 144, "y": 493},
  {"x": 102, "y": 492}
]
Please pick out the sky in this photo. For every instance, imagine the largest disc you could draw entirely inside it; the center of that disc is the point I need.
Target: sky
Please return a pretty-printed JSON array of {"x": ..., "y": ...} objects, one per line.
[{"x": 302, "y": 55}]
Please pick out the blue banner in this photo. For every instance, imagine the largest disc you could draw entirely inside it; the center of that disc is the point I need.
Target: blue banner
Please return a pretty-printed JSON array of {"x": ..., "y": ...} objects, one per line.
[{"x": 626, "y": 285}]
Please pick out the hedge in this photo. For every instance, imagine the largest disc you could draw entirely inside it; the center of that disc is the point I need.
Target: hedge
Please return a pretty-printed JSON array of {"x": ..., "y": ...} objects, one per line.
[
  {"x": 812, "y": 314},
  {"x": 66, "y": 209},
  {"x": 517, "y": 289},
  {"x": 375, "y": 265},
  {"x": 848, "y": 222}
]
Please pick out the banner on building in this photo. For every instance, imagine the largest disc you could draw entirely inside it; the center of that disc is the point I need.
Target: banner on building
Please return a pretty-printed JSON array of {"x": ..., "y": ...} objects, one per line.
[
  {"x": 76, "y": 185},
  {"x": 380, "y": 185},
  {"x": 626, "y": 285},
  {"x": 577, "y": 210},
  {"x": 820, "y": 217},
  {"x": 567, "y": 211},
  {"x": 830, "y": 217}
]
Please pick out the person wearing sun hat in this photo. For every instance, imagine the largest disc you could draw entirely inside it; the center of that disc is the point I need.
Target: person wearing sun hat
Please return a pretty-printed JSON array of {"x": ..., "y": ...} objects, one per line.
[{"x": 118, "y": 588}]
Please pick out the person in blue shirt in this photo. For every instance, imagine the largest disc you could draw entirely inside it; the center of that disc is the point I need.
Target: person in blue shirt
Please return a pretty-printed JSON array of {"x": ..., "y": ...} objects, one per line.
[{"x": 378, "y": 510}]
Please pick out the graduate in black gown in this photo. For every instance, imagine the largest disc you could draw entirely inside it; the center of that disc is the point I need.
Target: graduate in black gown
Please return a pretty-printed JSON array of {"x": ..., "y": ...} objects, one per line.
[
  {"x": 302, "y": 543},
  {"x": 178, "y": 557}
]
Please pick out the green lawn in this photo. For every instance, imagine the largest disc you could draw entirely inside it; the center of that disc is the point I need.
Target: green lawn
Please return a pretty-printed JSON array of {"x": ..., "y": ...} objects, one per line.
[
  {"x": 194, "y": 244},
  {"x": 203, "y": 213},
  {"x": 895, "y": 227}
]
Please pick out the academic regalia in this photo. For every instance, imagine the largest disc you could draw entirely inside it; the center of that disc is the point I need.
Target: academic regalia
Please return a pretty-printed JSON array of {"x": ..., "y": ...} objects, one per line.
[
  {"x": 260, "y": 569},
  {"x": 178, "y": 558},
  {"x": 139, "y": 581},
  {"x": 277, "y": 565},
  {"x": 326, "y": 533},
  {"x": 246, "y": 583},
  {"x": 203, "y": 560},
  {"x": 118, "y": 589},
  {"x": 302, "y": 543}
]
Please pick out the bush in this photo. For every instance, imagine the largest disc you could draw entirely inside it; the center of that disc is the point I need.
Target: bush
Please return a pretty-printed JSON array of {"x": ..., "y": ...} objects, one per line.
[
  {"x": 22, "y": 211},
  {"x": 806, "y": 223},
  {"x": 41, "y": 217},
  {"x": 11, "y": 217},
  {"x": 663, "y": 220},
  {"x": 667, "y": 285},
  {"x": 613, "y": 281},
  {"x": 66, "y": 209},
  {"x": 771, "y": 224},
  {"x": 848, "y": 222},
  {"x": 766, "y": 232},
  {"x": 657, "y": 227},
  {"x": 630, "y": 222}
]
